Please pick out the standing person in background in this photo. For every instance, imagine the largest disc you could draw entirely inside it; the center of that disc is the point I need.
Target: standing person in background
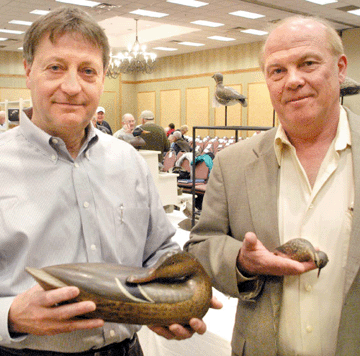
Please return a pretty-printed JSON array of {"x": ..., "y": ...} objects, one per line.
[
  {"x": 80, "y": 196},
  {"x": 100, "y": 114},
  {"x": 126, "y": 132},
  {"x": 156, "y": 139},
  {"x": 308, "y": 171}
]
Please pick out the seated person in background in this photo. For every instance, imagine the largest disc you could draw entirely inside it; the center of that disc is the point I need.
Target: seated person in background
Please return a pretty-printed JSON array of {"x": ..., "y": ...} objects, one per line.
[
  {"x": 178, "y": 143},
  {"x": 126, "y": 132},
  {"x": 170, "y": 129},
  {"x": 99, "y": 127},
  {"x": 183, "y": 129},
  {"x": 100, "y": 112},
  {"x": 2, "y": 118},
  {"x": 156, "y": 139}
]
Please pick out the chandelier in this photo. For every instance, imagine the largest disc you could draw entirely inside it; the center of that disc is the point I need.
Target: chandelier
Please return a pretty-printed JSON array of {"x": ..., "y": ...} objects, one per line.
[{"x": 136, "y": 59}]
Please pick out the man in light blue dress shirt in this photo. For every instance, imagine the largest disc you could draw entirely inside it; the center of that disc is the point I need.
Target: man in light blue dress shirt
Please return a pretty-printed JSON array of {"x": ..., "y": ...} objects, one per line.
[{"x": 69, "y": 194}]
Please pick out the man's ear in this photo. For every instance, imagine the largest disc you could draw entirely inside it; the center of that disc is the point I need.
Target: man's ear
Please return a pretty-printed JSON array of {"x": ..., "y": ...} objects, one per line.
[
  {"x": 27, "y": 68},
  {"x": 342, "y": 66}
]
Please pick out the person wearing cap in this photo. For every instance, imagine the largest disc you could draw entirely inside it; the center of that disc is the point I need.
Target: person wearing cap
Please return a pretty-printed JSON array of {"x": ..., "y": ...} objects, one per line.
[
  {"x": 178, "y": 143},
  {"x": 100, "y": 113},
  {"x": 156, "y": 139}
]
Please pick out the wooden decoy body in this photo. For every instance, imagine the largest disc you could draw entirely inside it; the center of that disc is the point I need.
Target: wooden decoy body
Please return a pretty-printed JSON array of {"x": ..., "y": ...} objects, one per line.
[
  {"x": 174, "y": 290},
  {"x": 302, "y": 250},
  {"x": 226, "y": 96}
]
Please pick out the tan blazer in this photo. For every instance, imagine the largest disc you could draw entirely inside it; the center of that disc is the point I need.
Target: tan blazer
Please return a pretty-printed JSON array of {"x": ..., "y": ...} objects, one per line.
[{"x": 242, "y": 196}]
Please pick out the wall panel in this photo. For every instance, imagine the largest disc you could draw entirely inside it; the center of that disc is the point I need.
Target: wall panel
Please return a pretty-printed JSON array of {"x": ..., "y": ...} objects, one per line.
[
  {"x": 146, "y": 101},
  {"x": 170, "y": 107},
  {"x": 197, "y": 109}
]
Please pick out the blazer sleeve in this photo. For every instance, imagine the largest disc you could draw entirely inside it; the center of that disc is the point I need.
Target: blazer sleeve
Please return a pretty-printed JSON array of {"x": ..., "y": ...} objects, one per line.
[{"x": 212, "y": 243}]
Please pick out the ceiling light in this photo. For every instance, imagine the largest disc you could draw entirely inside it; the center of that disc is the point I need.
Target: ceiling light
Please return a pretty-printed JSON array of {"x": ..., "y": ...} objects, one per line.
[
  {"x": 194, "y": 44},
  {"x": 169, "y": 49},
  {"x": 3, "y": 39},
  {"x": 207, "y": 23},
  {"x": 246, "y": 14},
  {"x": 136, "y": 59},
  {"x": 18, "y": 22},
  {"x": 149, "y": 13},
  {"x": 20, "y": 48},
  {"x": 220, "y": 38},
  {"x": 11, "y": 31},
  {"x": 322, "y": 2},
  {"x": 355, "y": 12},
  {"x": 255, "y": 32},
  {"x": 81, "y": 2},
  {"x": 39, "y": 12},
  {"x": 191, "y": 3}
]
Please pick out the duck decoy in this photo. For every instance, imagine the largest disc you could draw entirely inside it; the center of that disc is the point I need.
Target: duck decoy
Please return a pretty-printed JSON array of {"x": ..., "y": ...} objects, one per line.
[
  {"x": 174, "y": 290},
  {"x": 302, "y": 250}
]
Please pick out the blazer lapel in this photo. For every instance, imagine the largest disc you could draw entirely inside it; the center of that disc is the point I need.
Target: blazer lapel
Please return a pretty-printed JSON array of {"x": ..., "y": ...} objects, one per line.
[
  {"x": 263, "y": 192},
  {"x": 353, "y": 262}
]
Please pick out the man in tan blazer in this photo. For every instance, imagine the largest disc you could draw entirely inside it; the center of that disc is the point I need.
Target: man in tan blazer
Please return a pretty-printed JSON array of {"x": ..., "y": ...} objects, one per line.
[{"x": 301, "y": 179}]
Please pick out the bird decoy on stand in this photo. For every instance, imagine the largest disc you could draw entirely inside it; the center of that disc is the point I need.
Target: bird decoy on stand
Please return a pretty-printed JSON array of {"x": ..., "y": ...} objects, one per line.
[{"x": 226, "y": 96}]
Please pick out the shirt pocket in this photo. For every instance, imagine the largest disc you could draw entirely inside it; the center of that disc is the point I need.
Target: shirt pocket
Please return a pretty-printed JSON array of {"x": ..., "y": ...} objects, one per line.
[{"x": 132, "y": 225}]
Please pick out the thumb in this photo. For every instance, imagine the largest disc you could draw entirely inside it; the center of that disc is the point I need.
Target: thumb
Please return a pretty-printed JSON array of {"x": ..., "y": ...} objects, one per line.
[{"x": 250, "y": 241}]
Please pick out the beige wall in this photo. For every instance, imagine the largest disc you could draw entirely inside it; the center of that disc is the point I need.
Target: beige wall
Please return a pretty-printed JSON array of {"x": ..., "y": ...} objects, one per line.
[{"x": 239, "y": 64}]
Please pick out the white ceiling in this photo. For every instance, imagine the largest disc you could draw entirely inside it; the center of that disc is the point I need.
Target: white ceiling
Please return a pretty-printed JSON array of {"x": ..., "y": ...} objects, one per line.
[{"x": 119, "y": 23}]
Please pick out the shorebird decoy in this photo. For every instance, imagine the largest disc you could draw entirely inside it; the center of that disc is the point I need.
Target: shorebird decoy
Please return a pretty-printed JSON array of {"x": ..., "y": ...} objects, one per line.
[
  {"x": 349, "y": 87},
  {"x": 226, "y": 96},
  {"x": 302, "y": 250}
]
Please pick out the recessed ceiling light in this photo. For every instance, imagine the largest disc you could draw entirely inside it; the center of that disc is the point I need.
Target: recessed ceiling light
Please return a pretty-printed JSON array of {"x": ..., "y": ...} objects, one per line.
[
  {"x": 194, "y": 44},
  {"x": 39, "y": 12},
  {"x": 18, "y": 22},
  {"x": 255, "y": 32},
  {"x": 246, "y": 14},
  {"x": 322, "y": 2},
  {"x": 148, "y": 13},
  {"x": 11, "y": 31},
  {"x": 220, "y": 38},
  {"x": 169, "y": 49},
  {"x": 3, "y": 39},
  {"x": 191, "y": 3},
  {"x": 207, "y": 23},
  {"x": 355, "y": 12},
  {"x": 81, "y": 2}
]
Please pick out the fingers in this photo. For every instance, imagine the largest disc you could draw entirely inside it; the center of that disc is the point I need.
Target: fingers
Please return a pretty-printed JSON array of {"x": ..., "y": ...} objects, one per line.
[
  {"x": 250, "y": 241},
  {"x": 215, "y": 303}
]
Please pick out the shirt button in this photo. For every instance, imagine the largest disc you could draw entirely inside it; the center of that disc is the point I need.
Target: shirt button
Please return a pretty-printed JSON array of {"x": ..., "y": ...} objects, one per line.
[
  {"x": 112, "y": 333},
  {"x": 76, "y": 165},
  {"x": 309, "y": 329},
  {"x": 55, "y": 140},
  {"x": 311, "y": 206},
  {"x": 86, "y": 204},
  {"x": 53, "y": 157},
  {"x": 93, "y": 247},
  {"x": 308, "y": 287}
]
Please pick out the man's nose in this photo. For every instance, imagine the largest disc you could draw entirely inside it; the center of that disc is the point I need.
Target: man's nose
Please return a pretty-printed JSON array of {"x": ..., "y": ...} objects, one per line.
[
  {"x": 71, "y": 83},
  {"x": 294, "y": 78}
]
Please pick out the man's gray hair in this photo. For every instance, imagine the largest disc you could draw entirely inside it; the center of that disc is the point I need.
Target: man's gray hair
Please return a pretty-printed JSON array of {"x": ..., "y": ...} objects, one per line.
[{"x": 65, "y": 20}]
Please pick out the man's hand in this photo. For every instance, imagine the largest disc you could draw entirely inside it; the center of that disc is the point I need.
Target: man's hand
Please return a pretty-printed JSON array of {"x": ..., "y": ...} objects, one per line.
[
  {"x": 37, "y": 312},
  {"x": 179, "y": 332},
  {"x": 255, "y": 259}
]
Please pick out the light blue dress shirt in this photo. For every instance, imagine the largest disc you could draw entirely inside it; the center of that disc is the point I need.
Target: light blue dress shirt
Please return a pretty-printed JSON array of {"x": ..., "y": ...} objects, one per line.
[{"x": 101, "y": 207}]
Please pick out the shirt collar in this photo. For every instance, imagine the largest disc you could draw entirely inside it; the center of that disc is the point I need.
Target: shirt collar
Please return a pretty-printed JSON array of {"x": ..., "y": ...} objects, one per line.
[
  {"x": 342, "y": 138},
  {"x": 48, "y": 143}
]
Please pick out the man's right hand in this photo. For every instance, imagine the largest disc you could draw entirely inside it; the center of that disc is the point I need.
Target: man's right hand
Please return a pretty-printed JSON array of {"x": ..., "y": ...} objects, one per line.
[
  {"x": 37, "y": 312},
  {"x": 255, "y": 259}
]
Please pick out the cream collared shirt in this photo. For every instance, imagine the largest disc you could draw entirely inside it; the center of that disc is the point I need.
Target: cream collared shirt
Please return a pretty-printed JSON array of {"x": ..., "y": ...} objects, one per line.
[{"x": 311, "y": 306}]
